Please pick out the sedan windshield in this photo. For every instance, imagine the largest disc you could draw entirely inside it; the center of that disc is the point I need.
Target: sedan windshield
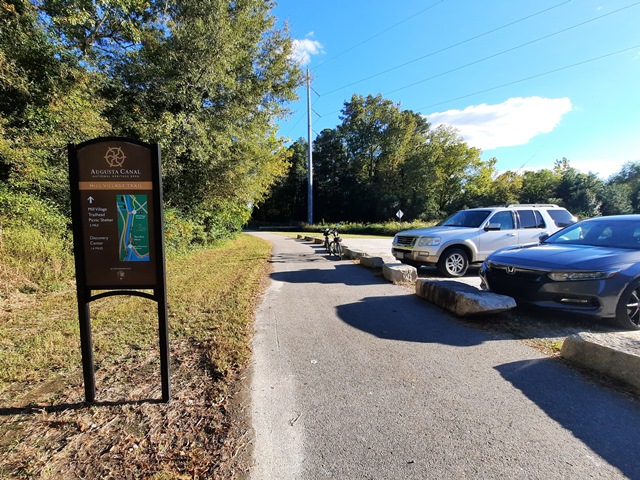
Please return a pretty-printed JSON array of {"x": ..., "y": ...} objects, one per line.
[
  {"x": 466, "y": 218},
  {"x": 600, "y": 233}
]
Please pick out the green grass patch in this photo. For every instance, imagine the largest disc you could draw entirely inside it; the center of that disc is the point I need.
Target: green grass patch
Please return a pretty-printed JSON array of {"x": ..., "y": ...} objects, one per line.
[{"x": 211, "y": 296}]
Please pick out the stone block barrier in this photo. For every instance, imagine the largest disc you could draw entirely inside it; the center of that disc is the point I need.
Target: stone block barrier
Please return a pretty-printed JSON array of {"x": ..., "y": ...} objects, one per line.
[
  {"x": 461, "y": 299},
  {"x": 399, "y": 273}
]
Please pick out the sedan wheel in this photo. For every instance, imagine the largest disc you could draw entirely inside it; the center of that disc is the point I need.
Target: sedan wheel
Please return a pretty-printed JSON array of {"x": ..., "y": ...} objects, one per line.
[
  {"x": 453, "y": 263},
  {"x": 628, "y": 309}
]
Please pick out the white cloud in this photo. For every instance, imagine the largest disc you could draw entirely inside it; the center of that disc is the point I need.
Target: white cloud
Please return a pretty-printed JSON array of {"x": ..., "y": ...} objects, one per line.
[
  {"x": 305, "y": 48},
  {"x": 506, "y": 124}
]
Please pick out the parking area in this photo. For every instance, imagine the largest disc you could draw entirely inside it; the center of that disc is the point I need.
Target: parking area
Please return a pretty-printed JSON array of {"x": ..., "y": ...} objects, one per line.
[{"x": 543, "y": 329}]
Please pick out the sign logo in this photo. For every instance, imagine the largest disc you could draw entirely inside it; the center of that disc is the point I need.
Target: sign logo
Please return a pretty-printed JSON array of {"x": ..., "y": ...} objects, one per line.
[
  {"x": 115, "y": 157},
  {"x": 511, "y": 270}
]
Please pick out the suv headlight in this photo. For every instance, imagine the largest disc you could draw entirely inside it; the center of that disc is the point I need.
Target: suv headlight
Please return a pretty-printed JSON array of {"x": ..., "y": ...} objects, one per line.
[
  {"x": 428, "y": 241},
  {"x": 575, "y": 276}
]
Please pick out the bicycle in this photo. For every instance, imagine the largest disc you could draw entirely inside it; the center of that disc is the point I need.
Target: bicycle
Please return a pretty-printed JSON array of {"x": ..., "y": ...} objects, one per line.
[
  {"x": 327, "y": 242},
  {"x": 335, "y": 247}
]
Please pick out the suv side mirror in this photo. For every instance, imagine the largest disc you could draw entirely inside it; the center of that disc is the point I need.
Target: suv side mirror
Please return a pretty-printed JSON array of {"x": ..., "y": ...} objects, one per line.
[{"x": 492, "y": 227}]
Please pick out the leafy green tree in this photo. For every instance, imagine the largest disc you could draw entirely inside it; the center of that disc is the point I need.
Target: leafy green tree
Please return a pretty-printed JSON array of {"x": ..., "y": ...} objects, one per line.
[
  {"x": 616, "y": 199},
  {"x": 540, "y": 186},
  {"x": 581, "y": 192},
  {"x": 507, "y": 188},
  {"x": 378, "y": 137},
  {"x": 451, "y": 166},
  {"x": 209, "y": 91},
  {"x": 46, "y": 101},
  {"x": 288, "y": 202},
  {"x": 629, "y": 177}
]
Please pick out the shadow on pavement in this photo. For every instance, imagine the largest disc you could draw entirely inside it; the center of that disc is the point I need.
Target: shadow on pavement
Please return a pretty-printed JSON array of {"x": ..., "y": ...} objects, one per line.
[
  {"x": 405, "y": 318},
  {"x": 606, "y": 421},
  {"x": 344, "y": 274}
]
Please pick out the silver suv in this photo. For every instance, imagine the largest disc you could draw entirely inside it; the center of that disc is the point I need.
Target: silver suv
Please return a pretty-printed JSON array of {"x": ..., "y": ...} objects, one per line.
[{"x": 469, "y": 236}]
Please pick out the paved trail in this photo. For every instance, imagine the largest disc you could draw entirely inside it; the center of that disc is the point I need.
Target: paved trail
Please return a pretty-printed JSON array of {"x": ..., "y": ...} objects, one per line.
[{"x": 355, "y": 378}]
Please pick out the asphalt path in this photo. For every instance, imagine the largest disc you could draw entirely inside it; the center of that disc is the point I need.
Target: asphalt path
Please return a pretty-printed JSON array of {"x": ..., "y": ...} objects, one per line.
[{"x": 356, "y": 378}]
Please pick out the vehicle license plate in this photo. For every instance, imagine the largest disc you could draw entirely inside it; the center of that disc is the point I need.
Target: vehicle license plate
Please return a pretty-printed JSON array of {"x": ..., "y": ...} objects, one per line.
[{"x": 399, "y": 255}]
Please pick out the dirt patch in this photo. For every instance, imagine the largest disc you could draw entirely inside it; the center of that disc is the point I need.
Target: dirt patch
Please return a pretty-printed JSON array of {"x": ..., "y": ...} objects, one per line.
[{"x": 203, "y": 432}]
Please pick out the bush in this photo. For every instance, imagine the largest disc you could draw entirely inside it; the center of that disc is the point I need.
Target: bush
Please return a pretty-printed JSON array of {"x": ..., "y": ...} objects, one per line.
[
  {"x": 384, "y": 229},
  {"x": 33, "y": 261}
]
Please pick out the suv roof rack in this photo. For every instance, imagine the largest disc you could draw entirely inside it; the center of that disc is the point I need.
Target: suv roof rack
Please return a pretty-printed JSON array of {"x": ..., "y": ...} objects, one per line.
[{"x": 532, "y": 205}]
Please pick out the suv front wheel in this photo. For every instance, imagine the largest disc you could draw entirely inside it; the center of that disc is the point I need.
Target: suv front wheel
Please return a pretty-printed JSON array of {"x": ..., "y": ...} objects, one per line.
[{"x": 453, "y": 263}]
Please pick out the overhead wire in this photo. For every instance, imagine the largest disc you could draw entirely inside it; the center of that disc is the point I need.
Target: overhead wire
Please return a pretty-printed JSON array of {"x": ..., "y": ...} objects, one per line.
[
  {"x": 378, "y": 34},
  {"x": 539, "y": 39},
  {"x": 499, "y": 53},
  {"x": 519, "y": 80},
  {"x": 532, "y": 77},
  {"x": 449, "y": 47}
]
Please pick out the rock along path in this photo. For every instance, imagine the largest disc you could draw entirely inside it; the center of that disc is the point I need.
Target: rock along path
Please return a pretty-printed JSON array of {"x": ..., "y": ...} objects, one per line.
[{"x": 356, "y": 378}]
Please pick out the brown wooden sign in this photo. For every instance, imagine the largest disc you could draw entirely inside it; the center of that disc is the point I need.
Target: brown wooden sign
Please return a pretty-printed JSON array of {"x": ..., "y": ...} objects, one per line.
[
  {"x": 116, "y": 205},
  {"x": 115, "y": 183}
]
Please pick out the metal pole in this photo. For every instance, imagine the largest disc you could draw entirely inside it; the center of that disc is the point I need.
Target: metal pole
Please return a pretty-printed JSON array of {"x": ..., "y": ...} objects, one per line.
[
  {"x": 310, "y": 161},
  {"x": 87, "y": 349}
]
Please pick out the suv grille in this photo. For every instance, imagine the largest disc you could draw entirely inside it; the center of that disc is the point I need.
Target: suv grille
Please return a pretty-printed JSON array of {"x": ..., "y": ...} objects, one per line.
[{"x": 405, "y": 241}]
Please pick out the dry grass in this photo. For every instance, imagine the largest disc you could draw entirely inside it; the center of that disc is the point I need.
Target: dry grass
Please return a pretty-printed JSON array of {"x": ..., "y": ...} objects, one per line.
[{"x": 46, "y": 431}]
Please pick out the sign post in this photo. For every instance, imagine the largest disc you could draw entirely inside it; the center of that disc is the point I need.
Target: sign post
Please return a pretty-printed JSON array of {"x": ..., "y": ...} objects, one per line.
[{"x": 116, "y": 206}]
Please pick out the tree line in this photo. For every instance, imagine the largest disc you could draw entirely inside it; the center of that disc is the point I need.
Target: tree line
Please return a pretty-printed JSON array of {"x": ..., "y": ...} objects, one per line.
[
  {"x": 381, "y": 159},
  {"x": 206, "y": 79}
]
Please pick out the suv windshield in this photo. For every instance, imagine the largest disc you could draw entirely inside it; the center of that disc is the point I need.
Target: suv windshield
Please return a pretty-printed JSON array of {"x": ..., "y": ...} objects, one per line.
[{"x": 466, "y": 218}]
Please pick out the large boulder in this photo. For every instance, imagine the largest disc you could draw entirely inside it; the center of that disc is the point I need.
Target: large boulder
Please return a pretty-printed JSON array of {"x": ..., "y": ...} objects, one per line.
[{"x": 461, "y": 299}]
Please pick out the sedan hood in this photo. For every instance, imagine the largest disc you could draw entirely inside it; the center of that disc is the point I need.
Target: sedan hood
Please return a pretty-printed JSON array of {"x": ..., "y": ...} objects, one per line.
[{"x": 548, "y": 256}]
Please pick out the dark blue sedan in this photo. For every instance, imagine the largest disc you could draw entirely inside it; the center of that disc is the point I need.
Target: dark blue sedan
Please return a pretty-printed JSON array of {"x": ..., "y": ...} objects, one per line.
[{"x": 591, "y": 267}]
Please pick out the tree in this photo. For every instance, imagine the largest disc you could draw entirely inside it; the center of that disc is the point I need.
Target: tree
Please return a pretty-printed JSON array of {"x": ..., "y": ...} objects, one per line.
[
  {"x": 46, "y": 101},
  {"x": 540, "y": 186},
  {"x": 288, "y": 201},
  {"x": 378, "y": 137},
  {"x": 628, "y": 179},
  {"x": 209, "y": 91},
  {"x": 451, "y": 165},
  {"x": 581, "y": 192}
]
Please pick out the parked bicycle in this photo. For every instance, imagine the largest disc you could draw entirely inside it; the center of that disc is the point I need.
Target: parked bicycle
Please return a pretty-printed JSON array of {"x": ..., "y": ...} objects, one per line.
[
  {"x": 335, "y": 246},
  {"x": 327, "y": 242}
]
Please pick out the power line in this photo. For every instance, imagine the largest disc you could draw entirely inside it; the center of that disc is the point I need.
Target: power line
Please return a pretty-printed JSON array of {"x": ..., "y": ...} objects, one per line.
[
  {"x": 511, "y": 49},
  {"x": 566, "y": 67},
  {"x": 531, "y": 77},
  {"x": 378, "y": 34},
  {"x": 470, "y": 39}
]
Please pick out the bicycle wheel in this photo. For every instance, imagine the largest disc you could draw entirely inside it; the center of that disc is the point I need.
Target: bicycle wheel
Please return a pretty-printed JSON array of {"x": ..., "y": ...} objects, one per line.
[{"x": 339, "y": 250}]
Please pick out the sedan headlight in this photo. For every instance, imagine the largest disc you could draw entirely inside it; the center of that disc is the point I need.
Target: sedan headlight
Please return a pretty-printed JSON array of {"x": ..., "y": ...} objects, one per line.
[
  {"x": 575, "y": 276},
  {"x": 428, "y": 241}
]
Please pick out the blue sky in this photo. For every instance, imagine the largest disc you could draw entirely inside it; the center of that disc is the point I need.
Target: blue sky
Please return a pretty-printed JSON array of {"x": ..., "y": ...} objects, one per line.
[{"x": 527, "y": 82}]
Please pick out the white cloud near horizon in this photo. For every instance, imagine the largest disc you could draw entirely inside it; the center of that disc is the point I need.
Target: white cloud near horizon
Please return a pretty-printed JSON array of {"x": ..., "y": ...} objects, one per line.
[
  {"x": 513, "y": 122},
  {"x": 305, "y": 48}
]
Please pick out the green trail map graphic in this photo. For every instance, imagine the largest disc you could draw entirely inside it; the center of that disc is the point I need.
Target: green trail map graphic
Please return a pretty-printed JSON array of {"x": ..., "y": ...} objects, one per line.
[{"x": 133, "y": 228}]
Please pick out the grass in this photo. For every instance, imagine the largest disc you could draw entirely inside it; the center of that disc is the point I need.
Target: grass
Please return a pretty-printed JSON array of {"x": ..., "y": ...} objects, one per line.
[{"x": 211, "y": 293}]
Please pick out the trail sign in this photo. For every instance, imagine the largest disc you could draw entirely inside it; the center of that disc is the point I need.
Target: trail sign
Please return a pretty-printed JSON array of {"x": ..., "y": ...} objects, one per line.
[
  {"x": 399, "y": 214},
  {"x": 116, "y": 205}
]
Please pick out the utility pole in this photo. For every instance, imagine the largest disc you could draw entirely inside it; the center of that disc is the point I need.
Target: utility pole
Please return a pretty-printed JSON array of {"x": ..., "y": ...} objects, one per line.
[{"x": 310, "y": 159}]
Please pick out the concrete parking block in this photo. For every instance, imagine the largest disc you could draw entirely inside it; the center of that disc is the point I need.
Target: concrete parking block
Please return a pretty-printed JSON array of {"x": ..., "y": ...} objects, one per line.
[
  {"x": 461, "y": 299},
  {"x": 371, "y": 262},
  {"x": 616, "y": 354},
  {"x": 399, "y": 273},
  {"x": 353, "y": 254}
]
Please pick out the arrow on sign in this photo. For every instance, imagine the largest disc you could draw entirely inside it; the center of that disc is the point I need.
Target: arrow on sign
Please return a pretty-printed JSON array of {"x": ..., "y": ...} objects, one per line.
[{"x": 90, "y": 199}]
